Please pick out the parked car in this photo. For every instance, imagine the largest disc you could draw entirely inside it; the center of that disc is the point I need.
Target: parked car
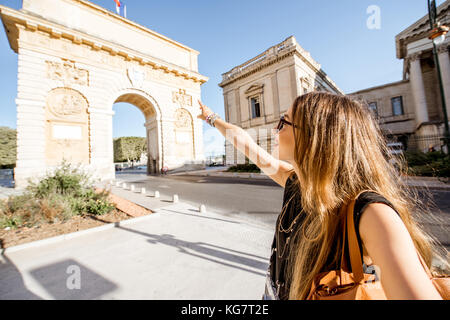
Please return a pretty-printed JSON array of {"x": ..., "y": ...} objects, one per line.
[{"x": 395, "y": 147}]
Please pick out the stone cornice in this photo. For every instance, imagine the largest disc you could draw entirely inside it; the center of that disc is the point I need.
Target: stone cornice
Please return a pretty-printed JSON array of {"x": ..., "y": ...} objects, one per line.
[
  {"x": 419, "y": 29},
  {"x": 33, "y": 24},
  {"x": 279, "y": 52},
  {"x": 379, "y": 87},
  {"x": 414, "y": 57}
]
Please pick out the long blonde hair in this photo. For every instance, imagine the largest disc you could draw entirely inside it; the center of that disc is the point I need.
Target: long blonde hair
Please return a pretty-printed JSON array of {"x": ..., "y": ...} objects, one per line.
[{"x": 340, "y": 150}]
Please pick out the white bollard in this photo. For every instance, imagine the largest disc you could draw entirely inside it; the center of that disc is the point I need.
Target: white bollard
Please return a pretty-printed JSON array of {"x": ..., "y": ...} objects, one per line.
[
  {"x": 143, "y": 191},
  {"x": 156, "y": 194},
  {"x": 132, "y": 187},
  {"x": 175, "y": 198},
  {"x": 124, "y": 185},
  {"x": 202, "y": 208}
]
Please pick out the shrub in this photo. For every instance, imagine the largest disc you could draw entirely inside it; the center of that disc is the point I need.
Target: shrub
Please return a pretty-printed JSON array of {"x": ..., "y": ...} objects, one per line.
[
  {"x": 57, "y": 197},
  {"x": 90, "y": 202},
  {"x": 416, "y": 158},
  {"x": 65, "y": 180},
  {"x": 244, "y": 168},
  {"x": 432, "y": 164},
  {"x": 8, "y": 148}
]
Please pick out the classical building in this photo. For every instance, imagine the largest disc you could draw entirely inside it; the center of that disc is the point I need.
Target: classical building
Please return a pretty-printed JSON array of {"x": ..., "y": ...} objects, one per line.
[
  {"x": 410, "y": 111},
  {"x": 257, "y": 92},
  {"x": 75, "y": 60}
]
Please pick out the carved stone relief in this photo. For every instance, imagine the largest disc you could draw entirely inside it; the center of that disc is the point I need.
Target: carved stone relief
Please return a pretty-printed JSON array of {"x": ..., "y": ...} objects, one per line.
[
  {"x": 63, "y": 102},
  {"x": 181, "y": 98},
  {"x": 136, "y": 76},
  {"x": 67, "y": 73},
  {"x": 183, "y": 119}
]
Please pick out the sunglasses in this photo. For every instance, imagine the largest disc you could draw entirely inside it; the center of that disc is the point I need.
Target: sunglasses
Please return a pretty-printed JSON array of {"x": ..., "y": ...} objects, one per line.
[{"x": 282, "y": 122}]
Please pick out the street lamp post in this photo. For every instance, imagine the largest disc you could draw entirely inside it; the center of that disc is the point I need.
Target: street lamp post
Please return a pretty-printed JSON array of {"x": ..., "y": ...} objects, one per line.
[{"x": 437, "y": 35}]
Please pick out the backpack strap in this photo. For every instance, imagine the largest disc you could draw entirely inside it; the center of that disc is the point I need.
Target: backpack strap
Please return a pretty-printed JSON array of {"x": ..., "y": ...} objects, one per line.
[{"x": 356, "y": 266}]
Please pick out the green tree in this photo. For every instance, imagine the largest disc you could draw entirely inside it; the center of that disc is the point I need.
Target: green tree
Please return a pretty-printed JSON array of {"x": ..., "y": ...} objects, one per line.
[
  {"x": 8, "y": 147},
  {"x": 129, "y": 148}
]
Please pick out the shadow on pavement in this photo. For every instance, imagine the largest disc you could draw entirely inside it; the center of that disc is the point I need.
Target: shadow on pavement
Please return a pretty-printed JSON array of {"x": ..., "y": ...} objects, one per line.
[
  {"x": 226, "y": 180},
  {"x": 202, "y": 217},
  {"x": 190, "y": 248},
  {"x": 12, "y": 286},
  {"x": 70, "y": 280}
]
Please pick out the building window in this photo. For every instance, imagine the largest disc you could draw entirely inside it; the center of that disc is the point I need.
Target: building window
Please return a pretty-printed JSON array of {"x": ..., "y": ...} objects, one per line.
[
  {"x": 373, "y": 107},
  {"x": 256, "y": 107},
  {"x": 397, "y": 106}
]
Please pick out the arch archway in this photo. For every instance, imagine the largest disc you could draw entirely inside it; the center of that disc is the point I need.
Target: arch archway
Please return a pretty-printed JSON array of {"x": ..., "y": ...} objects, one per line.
[
  {"x": 105, "y": 59},
  {"x": 153, "y": 126}
]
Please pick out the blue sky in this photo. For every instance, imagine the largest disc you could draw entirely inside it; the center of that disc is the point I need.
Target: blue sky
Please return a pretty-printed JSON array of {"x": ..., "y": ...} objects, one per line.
[{"x": 229, "y": 32}]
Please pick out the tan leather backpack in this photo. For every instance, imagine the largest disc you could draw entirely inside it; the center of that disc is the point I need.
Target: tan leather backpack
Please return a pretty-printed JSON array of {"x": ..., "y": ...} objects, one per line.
[{"x": 355, "y": 284}]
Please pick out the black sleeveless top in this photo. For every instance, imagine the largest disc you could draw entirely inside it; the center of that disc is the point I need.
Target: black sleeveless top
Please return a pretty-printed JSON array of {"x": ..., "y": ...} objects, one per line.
[{"x": 277, "y": 268}]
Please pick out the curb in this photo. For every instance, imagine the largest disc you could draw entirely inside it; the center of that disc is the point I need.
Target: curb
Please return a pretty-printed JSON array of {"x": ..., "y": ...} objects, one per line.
[
  {"x": 258, "y": 176},
  {"x": 437, "y": 188},
  {"x": 77, "y": 234}
]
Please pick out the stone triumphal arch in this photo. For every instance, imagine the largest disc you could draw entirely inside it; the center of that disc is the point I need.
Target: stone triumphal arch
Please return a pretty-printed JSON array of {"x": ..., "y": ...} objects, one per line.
[{"x": 75, "y": 60}]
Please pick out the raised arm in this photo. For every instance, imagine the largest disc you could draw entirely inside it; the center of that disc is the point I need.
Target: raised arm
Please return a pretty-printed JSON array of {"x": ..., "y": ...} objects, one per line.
[{"x": 276, "y": 169}]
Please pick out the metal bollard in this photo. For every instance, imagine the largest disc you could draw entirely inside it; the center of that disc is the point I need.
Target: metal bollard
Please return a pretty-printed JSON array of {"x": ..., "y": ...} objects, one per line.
[
  {"x": 175, "y": 198},
  {"x": 156, "y": 194},
  {"x": 202, "y": 208}
]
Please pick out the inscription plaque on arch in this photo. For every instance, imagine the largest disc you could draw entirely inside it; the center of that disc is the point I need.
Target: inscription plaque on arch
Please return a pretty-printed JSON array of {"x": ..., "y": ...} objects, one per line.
[{"x": 67, "y": 127}]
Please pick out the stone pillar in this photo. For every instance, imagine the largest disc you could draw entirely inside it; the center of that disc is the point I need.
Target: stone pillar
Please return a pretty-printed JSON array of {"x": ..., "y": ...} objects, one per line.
[
  {"x": 199, "y": 156},
  {"x": 101, "y": 143},
  {"x": 420, "y": 103},
  {"x": 152, "y": 126},
  {"x": 30, "y": 102},
  {"x": 444, "y": 62},
  {"x": 30, "y": 141}
]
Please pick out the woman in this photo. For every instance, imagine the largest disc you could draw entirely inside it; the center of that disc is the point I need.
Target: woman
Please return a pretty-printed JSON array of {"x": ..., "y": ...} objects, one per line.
[{"x": 329, "y": 149}]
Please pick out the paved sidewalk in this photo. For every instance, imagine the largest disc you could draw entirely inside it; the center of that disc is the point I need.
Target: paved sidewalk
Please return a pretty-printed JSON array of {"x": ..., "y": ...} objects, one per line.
[
  {"x": 6, "y": 192},
  {"x": 176, "y": 253}
]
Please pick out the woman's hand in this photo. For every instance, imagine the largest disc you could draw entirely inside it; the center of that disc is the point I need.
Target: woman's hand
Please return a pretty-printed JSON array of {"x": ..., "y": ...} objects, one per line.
[{"x": 205, "y": 111}]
